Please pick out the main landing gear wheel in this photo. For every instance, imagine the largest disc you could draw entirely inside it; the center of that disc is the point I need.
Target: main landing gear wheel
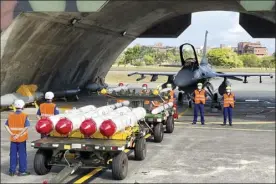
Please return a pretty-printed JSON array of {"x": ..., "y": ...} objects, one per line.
[
  {"x": 158, "y": 132},
  {"x": 41, "y": 160},
  {"x": 120, "y": 166},
  {"x": 170, "y": 124},
  {"x": 140, "y": 150}
]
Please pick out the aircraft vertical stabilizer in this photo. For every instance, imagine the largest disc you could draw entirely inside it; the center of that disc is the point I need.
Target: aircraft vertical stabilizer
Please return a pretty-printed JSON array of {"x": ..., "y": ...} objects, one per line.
[{"x": 204, "y": 56}]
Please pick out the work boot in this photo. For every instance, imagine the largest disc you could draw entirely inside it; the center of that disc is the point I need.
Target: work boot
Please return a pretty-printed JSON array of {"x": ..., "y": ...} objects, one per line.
[
  {"x": 193, "y": 123},
  {"x": 230, "y": 124},
  {"x": 24, "y": 174},
  {"x": 11, "y": 173},
  {"x": 223, "y": 124}
]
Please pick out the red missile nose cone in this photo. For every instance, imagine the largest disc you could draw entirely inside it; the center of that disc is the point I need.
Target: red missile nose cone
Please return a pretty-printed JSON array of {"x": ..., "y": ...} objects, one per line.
[
  {"x": 64, "y": 126},
  {"x": 44, "y": 126},
  {"x": 88, "y": 127},
  {"x": 108, "y": 128}
]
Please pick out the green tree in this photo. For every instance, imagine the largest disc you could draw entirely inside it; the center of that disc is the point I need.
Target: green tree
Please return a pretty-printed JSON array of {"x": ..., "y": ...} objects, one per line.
[
  {"x": 268, "y": 62},
  {"x": 148, "y": 60},
  {"x": 250, "y": 60},
  {"x": 224, "y": 57},
  {"x": 132, "y": 54}
]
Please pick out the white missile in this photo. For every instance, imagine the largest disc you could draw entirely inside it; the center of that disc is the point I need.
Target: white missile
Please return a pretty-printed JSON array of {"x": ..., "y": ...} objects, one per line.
[
  {"x": 46, "y": 125},
  {"x": 94, "y": 119},
  {"x": 119, "y": 123},
  {"x": 117, "y": 89},
  {"x": 165, "y": 90},
  {"x": 162, "y": 108}
]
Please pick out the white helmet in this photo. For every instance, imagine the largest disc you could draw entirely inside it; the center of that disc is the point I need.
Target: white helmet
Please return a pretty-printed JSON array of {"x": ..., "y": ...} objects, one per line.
[
  {"x": 169, "y": 86},
  {"x": 49, "y": 95},
  {"x": 19, "y": 104}
]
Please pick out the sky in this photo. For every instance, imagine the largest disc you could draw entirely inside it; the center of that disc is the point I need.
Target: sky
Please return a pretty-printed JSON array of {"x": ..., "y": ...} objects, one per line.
[{"x": 223, "y": 28}]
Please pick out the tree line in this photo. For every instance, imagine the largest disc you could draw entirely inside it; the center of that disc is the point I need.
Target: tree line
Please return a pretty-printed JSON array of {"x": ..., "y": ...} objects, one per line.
[{"x": 220, "y": 57}]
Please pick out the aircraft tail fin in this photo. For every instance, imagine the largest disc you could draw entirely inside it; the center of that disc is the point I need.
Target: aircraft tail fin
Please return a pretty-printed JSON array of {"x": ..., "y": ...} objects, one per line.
[{"x": 204, "y": 56}]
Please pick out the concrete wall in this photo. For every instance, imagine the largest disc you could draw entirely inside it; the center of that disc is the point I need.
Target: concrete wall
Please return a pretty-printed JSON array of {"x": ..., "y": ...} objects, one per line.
[{"x": 44, "y": 49}]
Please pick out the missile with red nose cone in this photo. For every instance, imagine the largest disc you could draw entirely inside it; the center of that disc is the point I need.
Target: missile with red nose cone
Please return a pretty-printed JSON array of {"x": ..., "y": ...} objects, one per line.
[
  {"x": 46, "y": 125},
  {"x": 162, "y": 108},
  {"x": 95, "y": 118},
  {"x": 81, "y": 119},
  {"x": 120, "y": 122}
]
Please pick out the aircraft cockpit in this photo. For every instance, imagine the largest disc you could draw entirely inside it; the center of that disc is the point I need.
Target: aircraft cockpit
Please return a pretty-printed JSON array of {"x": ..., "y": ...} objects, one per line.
[{"x": 188, "y": 56}]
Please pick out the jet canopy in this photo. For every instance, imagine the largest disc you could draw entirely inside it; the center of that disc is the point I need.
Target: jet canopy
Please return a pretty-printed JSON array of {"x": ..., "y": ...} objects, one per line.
[{"x": 188, "y": 56}]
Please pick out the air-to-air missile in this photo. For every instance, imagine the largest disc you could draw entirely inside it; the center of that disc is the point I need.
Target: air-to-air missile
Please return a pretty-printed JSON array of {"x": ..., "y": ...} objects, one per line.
[
  {"x": 27, "y": 93},
  {"x": 162, "y": 108}
]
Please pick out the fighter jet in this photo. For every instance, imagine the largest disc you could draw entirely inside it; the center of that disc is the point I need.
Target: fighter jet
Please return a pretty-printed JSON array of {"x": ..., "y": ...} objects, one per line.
[{"x": 192, "y": 72}]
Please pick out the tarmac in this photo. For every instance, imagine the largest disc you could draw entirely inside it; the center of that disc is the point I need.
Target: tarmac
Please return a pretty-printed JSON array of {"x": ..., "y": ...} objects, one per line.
[{"x": 211, "y": 153}]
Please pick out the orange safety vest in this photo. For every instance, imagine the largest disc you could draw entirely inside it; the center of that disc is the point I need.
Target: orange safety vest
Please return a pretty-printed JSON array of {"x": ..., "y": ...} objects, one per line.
[
  {"x": 228, "y": 100},
  {"x": 171, "y": 96},
  {"x": 16, "y": 123},
  {"x": 146, "y": 102},
  {"x": 120, "y": 101},
  {"x": 200, "y": 96},
  {"x": 47, "y": 109}
]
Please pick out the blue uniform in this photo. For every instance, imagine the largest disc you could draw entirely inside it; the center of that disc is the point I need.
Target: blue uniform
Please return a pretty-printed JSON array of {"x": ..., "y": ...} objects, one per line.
[
  {"x": 227, "y": 112},
  {"x": 20, "y": 148},
  {"x": 199, "y": 108}
]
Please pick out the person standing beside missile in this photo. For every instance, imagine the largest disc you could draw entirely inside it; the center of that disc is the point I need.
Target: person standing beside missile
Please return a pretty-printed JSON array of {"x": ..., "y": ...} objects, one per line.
[
  {"x": 47, "y": 109},
  {"x": 228, "y": 105},
  {"x": 17, "y": 126},
  {"x": 199, "y": 98}
]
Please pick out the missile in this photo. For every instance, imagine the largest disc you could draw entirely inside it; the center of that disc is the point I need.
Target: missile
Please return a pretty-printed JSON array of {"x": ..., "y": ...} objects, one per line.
[
  {"x": 82, "y": 119},
  {"x": 162, "y": 108},
  {"x": 95, "y": 118},
  {"x": 118, "y": 123},
  {"x": 116, "y": 89},
  {"x": 46, "y": 125},
  {"x": 165, "y": 90}
]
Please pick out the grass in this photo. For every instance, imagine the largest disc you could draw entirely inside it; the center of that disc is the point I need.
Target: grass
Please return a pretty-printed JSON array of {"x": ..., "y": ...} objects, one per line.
[{"x": 119, "y": 74}]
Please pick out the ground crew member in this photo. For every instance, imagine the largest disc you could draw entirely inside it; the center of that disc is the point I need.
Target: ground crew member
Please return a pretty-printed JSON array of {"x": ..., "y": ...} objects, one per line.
[
  {"x": 17, "y": 126},
  {"x": 171, "y": 94},
  {"x": 199, "y": 97},
  {"x": 120, "y": 100},
  {"x": 47, "y": 109},
  {"x": 228, "y": 105},
  {"x": 145, "y": 91},
  {"x": 155, "y": 104}
]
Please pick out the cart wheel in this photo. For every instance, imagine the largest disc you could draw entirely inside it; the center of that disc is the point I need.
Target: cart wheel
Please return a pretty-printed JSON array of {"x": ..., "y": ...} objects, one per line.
[
  {"x": 41, "y": 160},
  {"x": 140, "y": 149},
  {"x": 158, "y": 132},
  {"x": 120, "y": 166},
  {"x": 170, "y": 124}
]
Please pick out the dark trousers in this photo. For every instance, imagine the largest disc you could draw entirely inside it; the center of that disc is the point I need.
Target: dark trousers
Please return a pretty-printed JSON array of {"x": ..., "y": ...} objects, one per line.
[
  {"x": 227, "y": 111},
  {"x": 18, "y": 148},
  {"x": 199, "y": 108}
]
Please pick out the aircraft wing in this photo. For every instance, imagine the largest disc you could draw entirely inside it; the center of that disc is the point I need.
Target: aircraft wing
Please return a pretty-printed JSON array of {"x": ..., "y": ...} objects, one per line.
[
  {"x": 220, "y": 74},
  {"x": 235, "y": 76},
  {"x": 153, "y": 74}
]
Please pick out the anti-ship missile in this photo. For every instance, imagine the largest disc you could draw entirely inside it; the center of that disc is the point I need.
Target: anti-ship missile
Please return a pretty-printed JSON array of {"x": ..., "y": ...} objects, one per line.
[
  {"x": 118, "y": 123},
  {"x": 72, "y": 122},
  {"x": 47, "y": 124},
  {"x": 95, "y": 118},
  {"x": 162, "y": 108}
]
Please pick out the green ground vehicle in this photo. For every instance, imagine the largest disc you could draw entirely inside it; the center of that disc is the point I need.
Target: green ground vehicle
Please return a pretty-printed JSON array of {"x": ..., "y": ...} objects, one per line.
[{"x": 155, "y": 124}]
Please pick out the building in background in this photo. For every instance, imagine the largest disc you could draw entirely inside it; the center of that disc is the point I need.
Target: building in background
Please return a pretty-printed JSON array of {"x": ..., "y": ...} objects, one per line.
[{"x": 252, "y": 48}]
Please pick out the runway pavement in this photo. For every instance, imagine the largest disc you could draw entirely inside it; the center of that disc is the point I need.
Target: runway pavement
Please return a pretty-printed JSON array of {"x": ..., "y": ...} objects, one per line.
[{"x": 192, "y": 153}]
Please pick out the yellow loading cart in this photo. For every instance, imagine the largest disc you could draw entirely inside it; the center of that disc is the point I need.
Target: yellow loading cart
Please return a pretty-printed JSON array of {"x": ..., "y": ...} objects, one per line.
[{"x": 75, "y": 151}]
